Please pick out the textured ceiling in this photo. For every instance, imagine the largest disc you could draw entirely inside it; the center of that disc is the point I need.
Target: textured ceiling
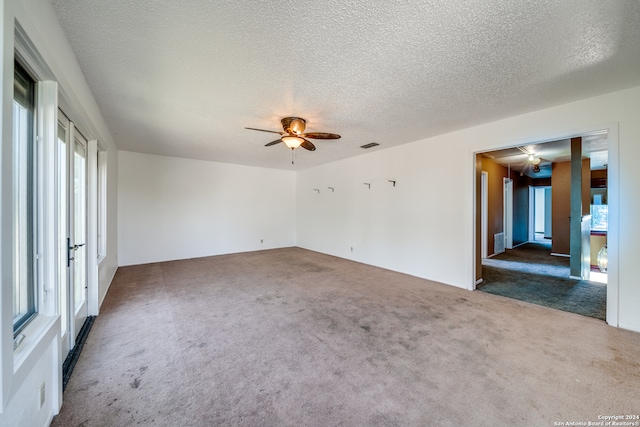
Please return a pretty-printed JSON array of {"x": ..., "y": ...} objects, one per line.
[{"x": 184, "y": 78}]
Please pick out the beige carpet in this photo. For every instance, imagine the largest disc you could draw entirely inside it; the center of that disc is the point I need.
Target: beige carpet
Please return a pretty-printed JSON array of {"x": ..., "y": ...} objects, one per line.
[{"x": 290, "y": 337}]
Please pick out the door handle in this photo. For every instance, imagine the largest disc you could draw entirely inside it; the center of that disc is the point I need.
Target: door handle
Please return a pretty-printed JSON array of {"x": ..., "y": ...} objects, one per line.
[
  {"x": 72, "y": 249},
  {"x": 76, "y": 247}
]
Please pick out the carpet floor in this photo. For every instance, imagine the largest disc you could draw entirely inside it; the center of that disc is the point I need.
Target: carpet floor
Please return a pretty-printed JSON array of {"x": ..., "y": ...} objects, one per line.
[
  {"x": 290, "y": 337},
  {"x": 529, "y": 273}
]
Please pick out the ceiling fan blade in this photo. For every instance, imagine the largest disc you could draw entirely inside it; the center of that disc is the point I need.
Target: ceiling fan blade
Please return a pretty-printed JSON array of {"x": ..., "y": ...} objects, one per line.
[
  {"x": 273, "y": 142},
  {"x": 308, "y": 145},
  {"x": 320, "y": 135},
  {"x": 264, "y": 130}
]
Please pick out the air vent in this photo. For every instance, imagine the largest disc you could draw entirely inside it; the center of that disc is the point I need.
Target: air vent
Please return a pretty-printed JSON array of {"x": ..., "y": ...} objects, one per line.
[
  {"x": 498, "y": 243},
  {"x": 369, "y": 145}
]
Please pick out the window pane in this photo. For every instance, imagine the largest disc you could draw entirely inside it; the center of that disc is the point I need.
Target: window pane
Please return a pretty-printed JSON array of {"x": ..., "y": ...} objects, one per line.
[
  {"x": 102, "y": 204},
  {"x": 599, "y": 217},
  {"x": 80, "y": 223},
  {"x": 23, "y": 187},
  {"x": 63, "y": 243}
]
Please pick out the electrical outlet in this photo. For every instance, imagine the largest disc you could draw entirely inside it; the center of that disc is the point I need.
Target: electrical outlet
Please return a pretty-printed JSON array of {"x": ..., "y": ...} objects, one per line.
[
  {"x": 351, "y": 248},
  {"x": 261, "y": 240},
  {"x": 42, "y": 395}
]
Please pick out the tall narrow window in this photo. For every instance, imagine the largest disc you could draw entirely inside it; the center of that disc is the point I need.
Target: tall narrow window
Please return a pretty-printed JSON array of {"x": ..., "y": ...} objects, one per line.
[
  {"x": 63, "y": 221},
  {"x": 24, "y": 218},
  {"x": 102, "y": 204}
]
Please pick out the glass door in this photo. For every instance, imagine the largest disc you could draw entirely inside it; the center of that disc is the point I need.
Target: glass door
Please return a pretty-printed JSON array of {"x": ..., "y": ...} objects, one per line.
[
  {"x": 78, "y": 230},
  {"x": 72, "y": 231}
]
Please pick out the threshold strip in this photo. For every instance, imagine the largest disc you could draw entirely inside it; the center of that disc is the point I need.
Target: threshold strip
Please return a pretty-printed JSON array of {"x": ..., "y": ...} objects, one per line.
[{"x": 74, "y": 354}]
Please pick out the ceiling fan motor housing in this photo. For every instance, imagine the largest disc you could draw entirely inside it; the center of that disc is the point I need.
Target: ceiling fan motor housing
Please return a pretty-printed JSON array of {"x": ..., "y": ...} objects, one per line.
[{"x": 294, "y": 125}]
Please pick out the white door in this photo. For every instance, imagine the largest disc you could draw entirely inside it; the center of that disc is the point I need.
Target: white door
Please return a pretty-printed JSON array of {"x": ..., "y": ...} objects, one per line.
[
  {"x": 508, "y": 213},
  {"x": 78, "y": 229},
  {"x": 533, "y": 205},
  {"x": 484, "y": 209},
  {"x": 72, "y": 230}
]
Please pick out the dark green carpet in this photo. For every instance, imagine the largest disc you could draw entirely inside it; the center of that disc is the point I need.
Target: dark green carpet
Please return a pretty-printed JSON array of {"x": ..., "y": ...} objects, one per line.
[{"x": 529, "y": 273}]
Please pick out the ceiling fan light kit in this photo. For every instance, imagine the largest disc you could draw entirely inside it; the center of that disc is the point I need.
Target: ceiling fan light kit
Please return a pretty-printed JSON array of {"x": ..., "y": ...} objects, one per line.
[
  {"x": 535, "y": 161},
  {"x": 292, "y": 142}
]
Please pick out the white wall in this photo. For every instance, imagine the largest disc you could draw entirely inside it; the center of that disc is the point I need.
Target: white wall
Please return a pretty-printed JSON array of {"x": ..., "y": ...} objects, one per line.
[
  {"x": 425, "y": 225},
  {"x": 38, "y": 360},
  {"x": 39, "y": 369},
  {"x": 171, "y": 208},
  {"x": 417, "y": 227}
]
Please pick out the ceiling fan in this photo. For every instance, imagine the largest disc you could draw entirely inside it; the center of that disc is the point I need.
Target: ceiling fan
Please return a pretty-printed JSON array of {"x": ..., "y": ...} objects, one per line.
[
  {"x": 293, "y": 136},
  {"x": 533, "y": 161}
]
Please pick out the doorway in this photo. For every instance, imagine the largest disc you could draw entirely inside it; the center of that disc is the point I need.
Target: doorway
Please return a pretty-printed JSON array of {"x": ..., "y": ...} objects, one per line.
[
  {"x": 522, "y": 172},
  {"x": 539, "y": 213}
]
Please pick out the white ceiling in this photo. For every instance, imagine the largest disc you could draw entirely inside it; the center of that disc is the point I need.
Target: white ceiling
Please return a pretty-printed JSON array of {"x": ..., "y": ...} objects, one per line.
[{"x": 184, "y": 78}]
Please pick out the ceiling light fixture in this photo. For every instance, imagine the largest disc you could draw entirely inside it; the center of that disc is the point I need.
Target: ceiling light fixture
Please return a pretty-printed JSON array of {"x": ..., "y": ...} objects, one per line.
[
  {"x": 535, "y": 161},
  {"x": 292, "y": 142}
]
